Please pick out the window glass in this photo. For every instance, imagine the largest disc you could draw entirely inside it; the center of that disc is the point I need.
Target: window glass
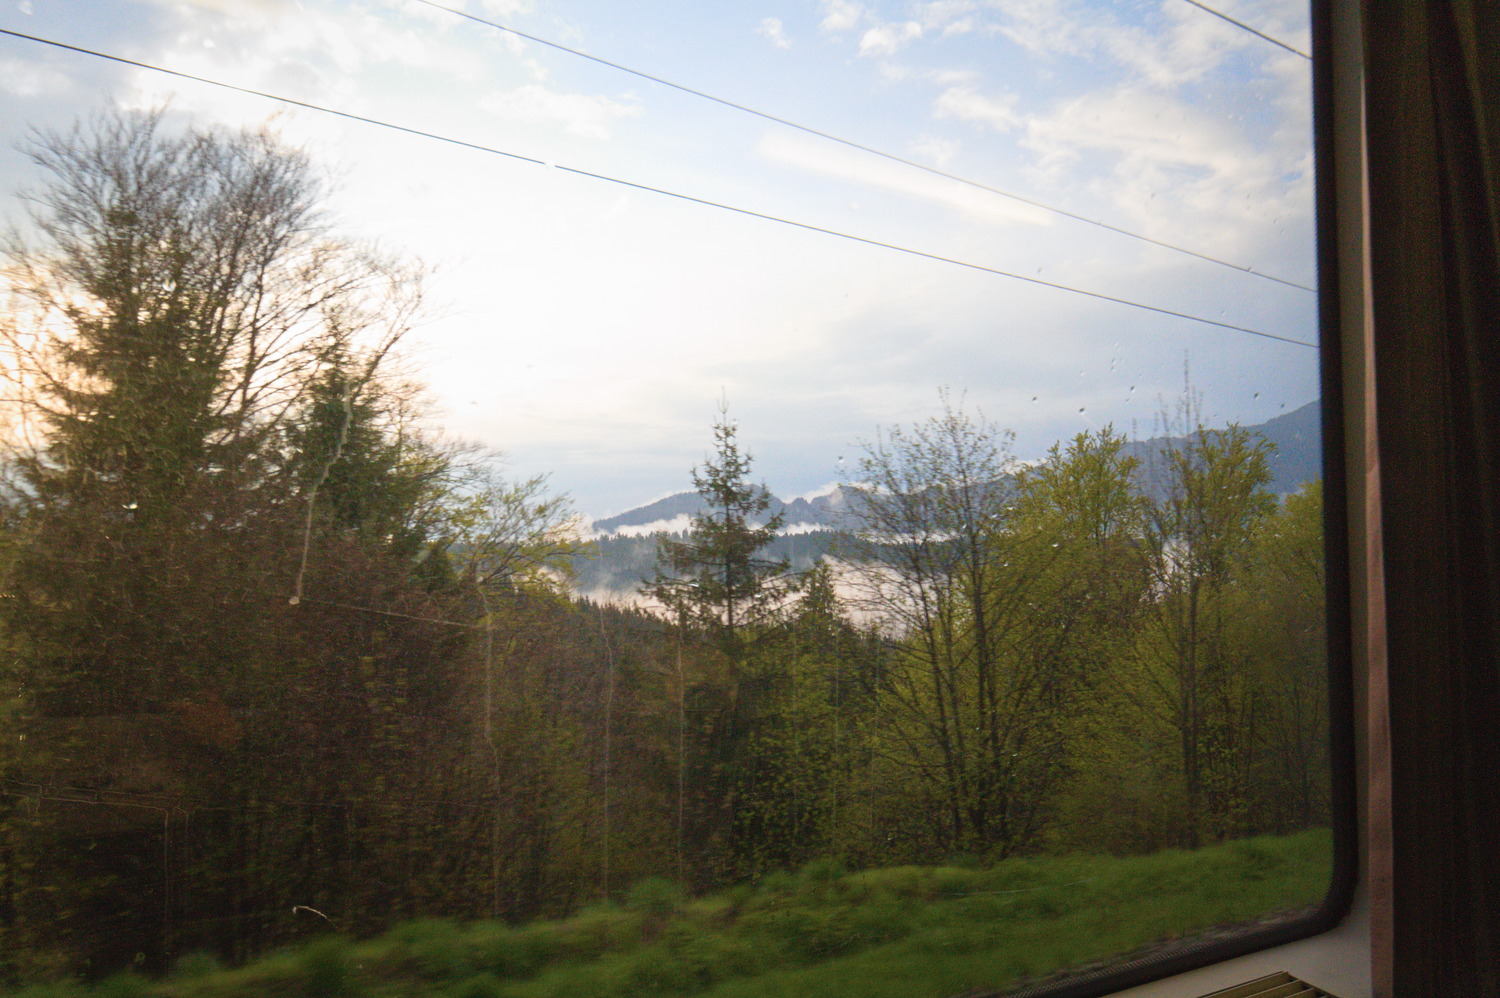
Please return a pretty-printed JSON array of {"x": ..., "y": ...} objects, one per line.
[{"x": 546, "y": 496}]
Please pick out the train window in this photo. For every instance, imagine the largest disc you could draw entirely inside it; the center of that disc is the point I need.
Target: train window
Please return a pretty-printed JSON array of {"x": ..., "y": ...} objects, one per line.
[{"x": 551, "y": 496}]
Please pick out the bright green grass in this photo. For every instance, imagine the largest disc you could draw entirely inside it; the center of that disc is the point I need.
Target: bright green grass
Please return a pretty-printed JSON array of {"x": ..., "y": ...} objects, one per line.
[{"x": 901, "y": 931}]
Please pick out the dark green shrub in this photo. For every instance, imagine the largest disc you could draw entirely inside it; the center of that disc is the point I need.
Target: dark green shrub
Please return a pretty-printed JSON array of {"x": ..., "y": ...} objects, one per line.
[
  {"x": 739, "y": 895},
  {"x": 325, "y": 967},
  {"x": 657, "y": 970},
  {"x": 805, "y": 933},
  {"x": 882, "y": 918},
  {"x": 654, "y": 896},
  {"x": 51, "y": 989},
  {"x": 519, "y": 953},
  {"x": 125, "y": 984},
  {"x": 777, "y": 882},
  {"x": 825, "y": 870},
  {"x": 191, "y": 966},
  {"x": 435, "y": 948},
  {"x": 1255, "y": 857},
  {"x": 478, "y": 986},
  {"x": 687, "y": 960}
]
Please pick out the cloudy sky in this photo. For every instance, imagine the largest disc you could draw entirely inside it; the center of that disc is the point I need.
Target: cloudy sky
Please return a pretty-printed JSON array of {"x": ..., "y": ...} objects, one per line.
[{"x": 590, "y": 327}]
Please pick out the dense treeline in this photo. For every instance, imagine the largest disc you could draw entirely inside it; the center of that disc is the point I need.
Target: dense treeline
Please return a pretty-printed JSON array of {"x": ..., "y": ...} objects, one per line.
[{"x": 276, "y": 657}]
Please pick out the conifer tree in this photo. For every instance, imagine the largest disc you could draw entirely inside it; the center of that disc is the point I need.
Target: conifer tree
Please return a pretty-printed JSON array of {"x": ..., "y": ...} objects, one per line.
[{"x": 716, "y": 579}]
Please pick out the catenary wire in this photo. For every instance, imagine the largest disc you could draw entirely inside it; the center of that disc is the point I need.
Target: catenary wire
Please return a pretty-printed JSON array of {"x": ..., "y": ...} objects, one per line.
[
  {"x": 747, "y": 212},
  {"x": 871, "y": 150},
  {"x": 1241, "y": 24}
]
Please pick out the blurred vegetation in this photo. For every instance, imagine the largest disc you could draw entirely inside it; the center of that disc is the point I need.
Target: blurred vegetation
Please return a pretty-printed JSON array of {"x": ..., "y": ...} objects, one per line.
[{"x": 907, "y": 931}]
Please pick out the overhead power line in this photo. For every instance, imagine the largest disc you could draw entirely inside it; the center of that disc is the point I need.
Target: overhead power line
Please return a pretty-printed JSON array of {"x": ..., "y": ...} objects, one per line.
[
  {"x": 750, "y": 213},
  {"x": 892, "y": 157},
  {"x": 1241, "y": 24}
]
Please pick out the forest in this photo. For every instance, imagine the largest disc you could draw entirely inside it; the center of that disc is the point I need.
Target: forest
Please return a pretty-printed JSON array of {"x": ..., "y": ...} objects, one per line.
[{"x": 276, "y": 654}]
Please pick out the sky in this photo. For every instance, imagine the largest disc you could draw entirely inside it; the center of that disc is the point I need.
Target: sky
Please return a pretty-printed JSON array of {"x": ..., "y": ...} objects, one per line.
[{"x": 590, "y": 329}]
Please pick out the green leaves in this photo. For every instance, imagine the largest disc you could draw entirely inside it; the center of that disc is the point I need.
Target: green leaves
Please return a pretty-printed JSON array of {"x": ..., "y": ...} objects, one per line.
[{"x": 714, "y": 579}]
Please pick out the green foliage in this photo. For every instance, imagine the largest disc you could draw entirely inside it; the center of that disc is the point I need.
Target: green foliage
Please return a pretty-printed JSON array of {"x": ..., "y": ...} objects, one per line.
[
  {"x": 823, "y": 871},
  {"x": 1195, "y": 681},
  {"x": 478, "y": 986},
  {"x": 264, "y": 639},
  {"x": 434, "y": 947},
  {"x": 777, "y": 881},
  {"x": 54, "y": 989},
  {"x": 654, "y": 895},
  {"x": 196, "y": 964},
  {"x": 518, "y": 953},
  {"x": 715, "y": 579},
  {"x": 240, "y": 578},
  {"x": 1005, "y": 589},
  {"x": 908, "y": 930},
  {"x": 324, "y": 966},
  {"x": 125, "y": 984}
]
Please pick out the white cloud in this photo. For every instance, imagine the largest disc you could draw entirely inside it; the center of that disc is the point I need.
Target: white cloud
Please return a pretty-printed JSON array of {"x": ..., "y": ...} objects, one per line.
[
  {"x": 506, "y": 8},
  {"x": 580, "y": 114},
  {"x": 1195, "y": 45},
  {"x": 678, "y": 524},
  {"x": 262, "y": 7},
  {"x": 966, "y": 104},
  {"x": 939, "y": 152},
  {"x": 826, "y": 489},
  {"x": 21, "y": 78},
  {"x": 1192, "y": 45},
  {"x": 771, "y": 28},
  {"x": 1040, "y": 26},
  {"x": 947, "y": 16},
  {"x": 847, "y": 164},
  {"x": 841, "y": 15},
  {"x": 1171, "y": 167},
  {"x": 887, "y": 39}
]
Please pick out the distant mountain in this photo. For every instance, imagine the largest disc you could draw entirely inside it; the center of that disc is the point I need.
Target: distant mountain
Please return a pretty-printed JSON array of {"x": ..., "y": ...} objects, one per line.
[
  {"x": 624, "y": 554},
  {"x": 1297, "y": 459},
  {"x": 662, "y": 511},
  {"x": 1298, "y": 436},
  {"x": 830, "y": 511}
]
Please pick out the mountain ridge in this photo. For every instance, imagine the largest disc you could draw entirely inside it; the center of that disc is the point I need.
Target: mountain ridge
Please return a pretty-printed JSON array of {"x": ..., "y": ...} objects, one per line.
[{"x": 1297, "y": 459}]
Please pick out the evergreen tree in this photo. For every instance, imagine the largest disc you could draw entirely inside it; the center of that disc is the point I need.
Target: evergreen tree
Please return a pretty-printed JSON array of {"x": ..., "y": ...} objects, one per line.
[
  {"x": 716, "y": 578},
  {"x": 718, "y": 586},
  {"x": 165, "y": 280},
  {"x": 178, "y": 284}
]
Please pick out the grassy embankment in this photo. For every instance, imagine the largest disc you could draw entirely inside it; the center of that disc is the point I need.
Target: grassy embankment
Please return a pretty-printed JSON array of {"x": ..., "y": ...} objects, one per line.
[{"x": 904, "y": 931}]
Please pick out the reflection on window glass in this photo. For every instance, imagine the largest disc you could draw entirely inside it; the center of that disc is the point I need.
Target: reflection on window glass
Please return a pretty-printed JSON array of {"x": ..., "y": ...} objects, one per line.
[{"x": 550, "y": 497}]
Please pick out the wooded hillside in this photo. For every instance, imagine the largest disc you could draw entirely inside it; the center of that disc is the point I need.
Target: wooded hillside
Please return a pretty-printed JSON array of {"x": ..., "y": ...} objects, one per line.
[{"x": 275, "y": 653}]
